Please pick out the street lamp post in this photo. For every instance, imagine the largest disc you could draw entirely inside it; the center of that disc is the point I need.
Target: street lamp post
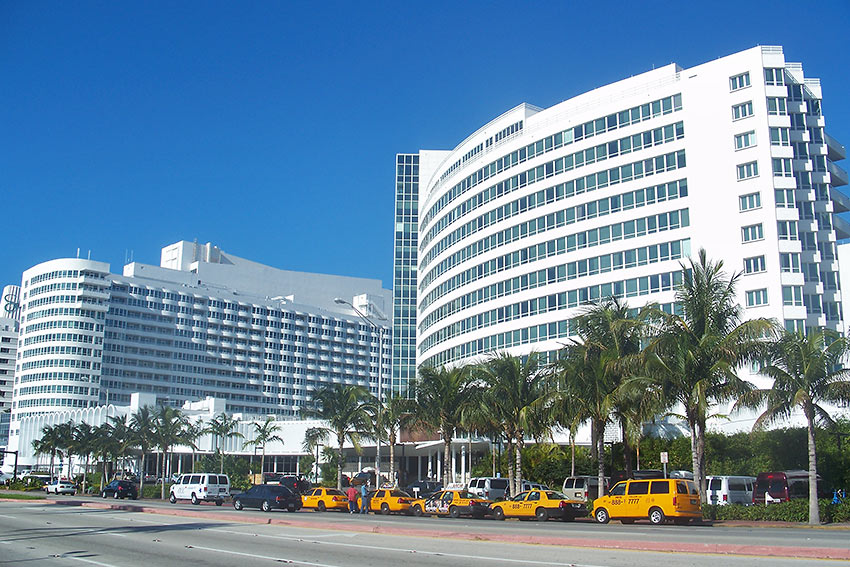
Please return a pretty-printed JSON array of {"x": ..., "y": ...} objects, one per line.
[{"x": 380, "y": 331}]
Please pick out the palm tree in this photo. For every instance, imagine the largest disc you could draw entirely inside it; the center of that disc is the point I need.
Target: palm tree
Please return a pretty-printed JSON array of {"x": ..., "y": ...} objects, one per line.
[
  {"x": 124, "y": 438},
  {"x": 168, "y": 432},
  {"x": 84, "y": 444},
  {"x": 104, "y": 448},
  {"x": 514, "y": 387},
  {"x": 65, "y": 442},
  {"x": 264, "y": 433},
  {"x": 313, "y": 437},
  {"x": 143, "y": 425},
  {"x": 192, "y": 431},
  {"x": 694, "y": 359},
  {"x": 49, "y": 444},
  {"x": 347, "y": 410},
  {"x": 396, "y": 414},
  {"x": 806, "y": 371},
  {"x": 442, "y": 395},
  {"x": 223, "y": 427}
]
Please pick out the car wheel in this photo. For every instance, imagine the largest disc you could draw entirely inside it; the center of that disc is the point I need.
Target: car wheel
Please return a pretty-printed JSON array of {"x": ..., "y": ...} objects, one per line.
[
  {"x": 103, "y": 494},
  {"x": 172, "y": 498},
  {"x": 385, "y": 509},
  {"x": 601, "y": 515},
  {"x": 237, "y": 504},
  {"x": 417, "y": 511},
  {"x": 116, "y": 495},
  {"x": 219, "y": 502},
  {"x": 266, "y": 506},
  {"x": 542, "y": 514},
  {"x": 498, "y": 513},
  {"x": 321, "y": 506},
  {"x": 195, "y": 500},
  {"x": 454, "y": 512},
  {"x": 656, "y": 516}
]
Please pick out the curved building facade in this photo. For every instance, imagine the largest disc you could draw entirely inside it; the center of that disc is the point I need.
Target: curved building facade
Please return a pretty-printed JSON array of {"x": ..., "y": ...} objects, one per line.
[{"x": 542, "y": 211}]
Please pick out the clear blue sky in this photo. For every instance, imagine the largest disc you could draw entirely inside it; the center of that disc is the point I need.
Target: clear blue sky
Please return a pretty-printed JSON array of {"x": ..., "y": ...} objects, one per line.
[{"x": 271, "y": 129}]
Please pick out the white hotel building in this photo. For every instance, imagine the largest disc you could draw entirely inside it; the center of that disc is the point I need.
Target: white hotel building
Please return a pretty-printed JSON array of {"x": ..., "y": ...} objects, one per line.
[
  {"x": 202, "y": 324},
  {"x": 500, "y": 241}
]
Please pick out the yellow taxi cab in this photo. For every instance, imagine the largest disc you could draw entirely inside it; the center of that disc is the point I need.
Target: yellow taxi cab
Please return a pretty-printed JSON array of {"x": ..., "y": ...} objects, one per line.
[
  {"x": 455, "y": 502},
  {"x": 540, "y": 504},
  {"x": 322, "y": 499},
  {"x": 387, "y": 500},
  {"x": 656, "y": 499}
]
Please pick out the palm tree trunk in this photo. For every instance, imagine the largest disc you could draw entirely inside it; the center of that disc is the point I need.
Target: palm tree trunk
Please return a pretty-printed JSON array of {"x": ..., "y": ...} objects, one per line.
[
  {"x": 695, "y": 457},
  {"x": 600, "y": 452},
  {"x": 701, "y": 460},
  {"x": 572, "y": 452},
  {"x": 511, "y": 465},
  {"x": 814, "y": 509},
  {"x": 447, "y": 445},
  {"x": 518, "y": 450},
  {"x": 52, "y": 456},
  {"x": 391, "y": 442},
  {"x": 339, "y": 461},
  {"x": 627, "y": 449},
  {"x": 142, "y": 475},
  {"x": 263, "y": 462}
]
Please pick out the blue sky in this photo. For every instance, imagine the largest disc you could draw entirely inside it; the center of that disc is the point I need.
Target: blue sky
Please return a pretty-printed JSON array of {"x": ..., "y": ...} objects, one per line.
[{"x": 271, "y": 129}]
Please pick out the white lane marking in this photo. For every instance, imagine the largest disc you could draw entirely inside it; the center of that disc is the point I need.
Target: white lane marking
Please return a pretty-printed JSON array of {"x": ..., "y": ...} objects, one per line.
[
  {"x": 116, "y": 534},
  {"x": 6, "y": 542},
  {"x": 417, "y": 551},
  {"x": 84, "y": 560},
  {"x": 10, "y": 517},
  {"x": 256, "y": 556}
]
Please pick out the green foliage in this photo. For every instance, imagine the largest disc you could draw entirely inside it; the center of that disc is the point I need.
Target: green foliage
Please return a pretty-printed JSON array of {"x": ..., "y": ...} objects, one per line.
[
  {"x": 541, "y": 463},
  {"x": 237, "y": 468},
  {"x": 328, "y": 469},
  {"x": 793, "y": 511},
  {"x": 305, "y": 463},
  {"x": 153, "y": 491}
]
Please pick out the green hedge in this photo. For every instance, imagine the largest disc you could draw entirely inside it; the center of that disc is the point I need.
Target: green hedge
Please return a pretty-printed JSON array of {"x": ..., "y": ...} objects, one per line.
[
  {"x": 793, "y": 511},
  {"x": 154, "y": 491}
]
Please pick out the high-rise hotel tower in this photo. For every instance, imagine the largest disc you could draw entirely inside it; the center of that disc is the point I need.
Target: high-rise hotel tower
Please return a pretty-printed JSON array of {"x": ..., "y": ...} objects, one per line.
[{"x": 500, "y": 241}]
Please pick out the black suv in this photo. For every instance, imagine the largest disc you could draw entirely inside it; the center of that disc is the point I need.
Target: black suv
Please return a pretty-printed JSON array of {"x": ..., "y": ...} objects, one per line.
[
  {"x": 120, "y": 489},
  {"x": 266, "y": 497}
]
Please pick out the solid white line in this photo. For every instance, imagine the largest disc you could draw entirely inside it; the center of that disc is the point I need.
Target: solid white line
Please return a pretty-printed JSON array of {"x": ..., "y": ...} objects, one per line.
[
  {"x": 255, "y": 556},
  {"x": 10, "y": 517},
  {"x": 116, "y": 534},
  {"x": 417, "y": 551},
  {"x": 84, "y": 560}
]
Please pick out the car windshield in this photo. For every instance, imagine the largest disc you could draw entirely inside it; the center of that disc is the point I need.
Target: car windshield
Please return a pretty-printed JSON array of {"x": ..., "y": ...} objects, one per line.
[
  {"x": 335, "y": 492},
  {"x": 520, "y": 496}
]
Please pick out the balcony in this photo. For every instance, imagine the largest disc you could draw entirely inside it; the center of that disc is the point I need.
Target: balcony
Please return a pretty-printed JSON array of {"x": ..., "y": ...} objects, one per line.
[
  {"x": 838, "y": 175},
  {"x": 841, "y": 226},
  {"x": 836, "y": 149}
]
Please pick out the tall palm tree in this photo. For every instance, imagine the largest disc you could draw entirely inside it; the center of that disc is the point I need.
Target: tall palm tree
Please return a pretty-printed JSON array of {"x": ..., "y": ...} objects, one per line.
[
  {"x": 49, "y": 444},
  {"x": 105, "y": 446},
  {"x": 515, "y": 388},
  {"x": 265, "y": 433},
  {"x": 396, "y": 414},
  {"x": 143, "y": 425},
  {"x": 313, "y": 437},
  {"x": 65, "y": 442},
  {"x": 694, "y": 359},
  {"x": 192, "y": 432},
  {"x": 806, "y": 371},
  {"x": 442, "y": 395},
  {"x": 168, "y": 432},
  {"x": 223, "y": 427},
  {"x": 84, "y": 444},
  {"x": 347, "y": 410}
]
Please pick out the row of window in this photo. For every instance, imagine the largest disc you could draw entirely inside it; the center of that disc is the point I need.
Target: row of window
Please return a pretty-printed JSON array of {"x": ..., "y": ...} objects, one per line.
[
  {"x": 621, "y": 174},
  {"x": 547, "y": 276},
  {"x": 588, "y": 129},
  {"x": 792, "y": 296},
  {"x": 569, "y": 162}
]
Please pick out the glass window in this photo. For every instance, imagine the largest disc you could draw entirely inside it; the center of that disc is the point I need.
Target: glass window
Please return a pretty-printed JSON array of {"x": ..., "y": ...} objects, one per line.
[
  {"x": 780, "y": 136},
  {"x": 619, "y": 489},
  {"x": 742, "y": 110},
  {"x": 754, "y": 265},
  {"x": 756, "y": 297},
  {"x": 792, "y": 295},
  {"x": 777, "y": 106},
  {"x": 638, "y": 487},
  {"x": 739, "y": 81},
  {"x": 752, "y": 232},
  {"x": 789, "y": 262},
  {"x": 745, "y": 140},
  {"x": 748, "y": 170},
  {"x": 659, "y": 487},
  {"x": 749, "y": 202}
]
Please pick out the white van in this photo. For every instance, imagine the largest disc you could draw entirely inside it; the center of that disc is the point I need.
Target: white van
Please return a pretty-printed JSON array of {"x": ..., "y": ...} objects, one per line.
[
  {"x": 208, "y": 487},
  {"x": 583, "y": 488},
  {"x": 729, "y": 489},
  {"x": 491, "y": 488}
]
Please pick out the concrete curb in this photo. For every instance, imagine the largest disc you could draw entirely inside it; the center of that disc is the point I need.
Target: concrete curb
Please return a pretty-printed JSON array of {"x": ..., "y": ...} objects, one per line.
[{"x": 656, "y": 546}]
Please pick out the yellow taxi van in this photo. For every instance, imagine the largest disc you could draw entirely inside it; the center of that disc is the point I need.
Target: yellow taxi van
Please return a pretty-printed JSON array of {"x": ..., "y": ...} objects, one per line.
[{"x": 656, "y": 500}]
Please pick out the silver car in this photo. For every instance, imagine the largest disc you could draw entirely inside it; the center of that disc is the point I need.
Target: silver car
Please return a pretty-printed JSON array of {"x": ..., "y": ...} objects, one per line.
[{"x": 60, "y": 486}]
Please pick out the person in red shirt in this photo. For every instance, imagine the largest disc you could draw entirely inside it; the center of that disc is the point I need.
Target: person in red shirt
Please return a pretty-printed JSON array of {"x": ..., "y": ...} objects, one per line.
[{"x": 352, "y": 500}]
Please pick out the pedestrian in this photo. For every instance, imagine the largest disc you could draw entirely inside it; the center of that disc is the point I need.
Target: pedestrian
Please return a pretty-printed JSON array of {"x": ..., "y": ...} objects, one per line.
[
  {"x": 352, "y": 499},
  {"x": 364, "y": 498}
]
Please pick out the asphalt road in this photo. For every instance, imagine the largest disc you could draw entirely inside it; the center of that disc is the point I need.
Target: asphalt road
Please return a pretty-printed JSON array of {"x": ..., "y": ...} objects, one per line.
[{"x": 55, "y": 535}]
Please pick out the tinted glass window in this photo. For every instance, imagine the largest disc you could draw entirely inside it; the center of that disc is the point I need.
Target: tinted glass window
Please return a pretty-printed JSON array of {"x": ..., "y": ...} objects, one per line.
[
  {"x": 399, "y": 494},
  {"x": 447, "y": 496},
  {"x": 579, "y": 483},
  {"x": 798, "y": 488},
  {"x": 335, "y": 492},
  {"x": 498, "y": 483},
  {"x": 568, "y": 483},
  {"x": 196, "y": 479},
  {"x": 716, "y": 484},
  {"x": 640, "y": 487},
  {"x": 619, "y": 490},
  {"x": 185, "y": 479},
  {"x": 681, "y": 488},
  {"x": 659, "y": 487},
  {"x": 533, "y": 496},
  {"x": 692, "y": 487},
  {"x": 520, "y": 496},
  {"x": 737, "y": 485}
]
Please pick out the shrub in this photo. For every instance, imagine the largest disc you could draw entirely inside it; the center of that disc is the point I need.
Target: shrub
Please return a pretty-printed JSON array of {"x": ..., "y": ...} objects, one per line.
[
  {"x": 793, "y": 511},
  {"x": 154, "y": 491}
]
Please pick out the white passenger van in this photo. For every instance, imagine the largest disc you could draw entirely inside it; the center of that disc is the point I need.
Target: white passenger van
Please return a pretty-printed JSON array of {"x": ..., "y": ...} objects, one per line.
[
  {"x": 729, "y": 489},
  {"x": 195, "y": 487}
]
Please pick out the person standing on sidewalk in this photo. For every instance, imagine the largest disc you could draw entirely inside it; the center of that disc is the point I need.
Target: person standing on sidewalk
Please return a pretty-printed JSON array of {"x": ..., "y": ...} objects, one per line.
[
  {"x": 352, "y": 499},
  {"x": 364, "y": 498}
]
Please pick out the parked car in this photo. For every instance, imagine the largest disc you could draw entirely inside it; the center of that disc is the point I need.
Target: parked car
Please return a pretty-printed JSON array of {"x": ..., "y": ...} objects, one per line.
[
  {"x": 656, "y": 500},
  {"x": 584, "y": 488},
  {"x": 120, "y": 489},
  {"x": 387, "y": 501},
  {"x": 454, "y": 503},
  {"x": 540, "y": 504},
  {"x": 60, "y": 486},
  {"x": 489, "y": 487},
  {"x": 528, "y": 485},
  {"x": 196, "y": 487},
  {"x": 782, "y": 486},
  {"x": 730, "y": 489},
  {"x": 267, "y": 497},
  {"x": 322, "y": 499}
]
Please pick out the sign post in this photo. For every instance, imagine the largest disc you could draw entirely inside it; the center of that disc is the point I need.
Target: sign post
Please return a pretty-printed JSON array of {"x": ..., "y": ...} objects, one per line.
[{"x": 664, "y": 462}]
